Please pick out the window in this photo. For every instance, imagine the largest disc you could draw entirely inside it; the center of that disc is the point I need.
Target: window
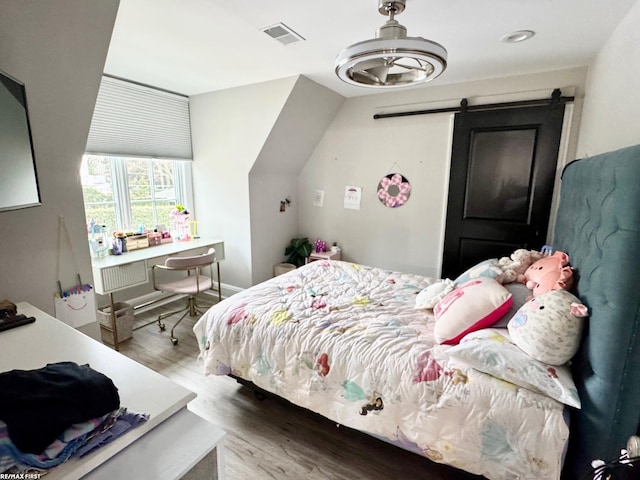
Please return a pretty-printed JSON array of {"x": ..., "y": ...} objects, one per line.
[
  {"x": 126, "y": 193},
  {"x": 137, "y": 165}
]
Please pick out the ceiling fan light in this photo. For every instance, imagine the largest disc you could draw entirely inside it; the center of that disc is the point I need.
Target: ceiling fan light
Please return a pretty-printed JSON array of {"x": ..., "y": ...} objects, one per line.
[
  {"x": 405, "y": 61},
  {"x": 391, "y": 59}
]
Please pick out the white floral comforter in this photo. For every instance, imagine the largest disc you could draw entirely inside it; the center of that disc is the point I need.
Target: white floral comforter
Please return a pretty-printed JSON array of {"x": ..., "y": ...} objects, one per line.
[{"x": 345, "y": 341}]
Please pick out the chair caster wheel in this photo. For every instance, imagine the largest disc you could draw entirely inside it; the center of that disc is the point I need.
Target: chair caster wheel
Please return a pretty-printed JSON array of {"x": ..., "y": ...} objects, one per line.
[
  {"x": 174, "y": 341},
  {"x": 162, "y": 327}
]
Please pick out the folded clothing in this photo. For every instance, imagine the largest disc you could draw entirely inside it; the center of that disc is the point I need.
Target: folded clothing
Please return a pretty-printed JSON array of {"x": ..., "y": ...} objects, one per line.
[
  {"x": 122, "y": 423},
  {"x": 39, "y": 405},
  {"x": 78, "y": 440},
  {"x": 55, "y": 454}
]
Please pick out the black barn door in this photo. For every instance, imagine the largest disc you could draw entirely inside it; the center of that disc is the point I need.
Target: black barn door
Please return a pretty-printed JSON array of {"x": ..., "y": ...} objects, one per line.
[{"x": 503, "y": 168}]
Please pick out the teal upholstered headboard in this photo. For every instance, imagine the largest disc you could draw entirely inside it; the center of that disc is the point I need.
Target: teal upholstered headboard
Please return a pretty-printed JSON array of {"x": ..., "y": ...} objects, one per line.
[{"x": 598, "y": 225}]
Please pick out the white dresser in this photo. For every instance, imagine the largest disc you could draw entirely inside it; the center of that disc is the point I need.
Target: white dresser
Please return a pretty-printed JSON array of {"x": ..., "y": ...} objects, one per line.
[{"x": 170, "y": 445}]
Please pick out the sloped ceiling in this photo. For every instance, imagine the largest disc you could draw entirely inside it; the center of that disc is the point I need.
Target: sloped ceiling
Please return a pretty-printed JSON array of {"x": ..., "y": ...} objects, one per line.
[{"x": 291, "y": 142}]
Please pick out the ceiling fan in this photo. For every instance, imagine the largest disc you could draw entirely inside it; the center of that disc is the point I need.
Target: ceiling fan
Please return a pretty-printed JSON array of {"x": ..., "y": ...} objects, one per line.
[{"x": 391, "y": 59}]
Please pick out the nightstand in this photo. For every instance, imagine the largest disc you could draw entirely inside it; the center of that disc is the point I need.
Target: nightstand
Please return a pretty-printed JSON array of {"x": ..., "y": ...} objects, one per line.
[{"x": 324, "y": 256}]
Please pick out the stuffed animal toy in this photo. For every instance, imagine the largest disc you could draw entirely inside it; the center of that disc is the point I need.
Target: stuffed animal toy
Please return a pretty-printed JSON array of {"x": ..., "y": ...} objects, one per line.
[
  {"x": 515, "y": 265},
  {"x": 431, "y": 295},
  {"x": 549, "y": 327},
  {"x": 548, "y": 273}
]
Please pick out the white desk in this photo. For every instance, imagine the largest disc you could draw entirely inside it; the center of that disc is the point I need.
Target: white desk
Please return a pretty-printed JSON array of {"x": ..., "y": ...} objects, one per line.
[
  {"x": 141, "y": 390},
  {"x": 118, "y": 272}
]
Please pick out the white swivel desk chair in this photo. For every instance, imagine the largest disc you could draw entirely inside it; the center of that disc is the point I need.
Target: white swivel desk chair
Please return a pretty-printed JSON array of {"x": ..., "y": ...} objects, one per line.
[{"x": 194, "y": 283}]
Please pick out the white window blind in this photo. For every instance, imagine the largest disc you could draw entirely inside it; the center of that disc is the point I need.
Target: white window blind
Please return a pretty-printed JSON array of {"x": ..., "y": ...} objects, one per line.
[{"x": 136, "y": 120}]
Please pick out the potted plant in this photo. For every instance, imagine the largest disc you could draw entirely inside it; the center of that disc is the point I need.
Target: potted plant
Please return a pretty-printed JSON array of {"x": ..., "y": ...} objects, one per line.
[{"x": 298, "y": 251}]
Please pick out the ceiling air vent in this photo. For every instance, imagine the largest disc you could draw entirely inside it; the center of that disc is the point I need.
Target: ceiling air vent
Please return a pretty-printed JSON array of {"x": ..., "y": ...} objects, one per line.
[{"x": 282, "y": 33}]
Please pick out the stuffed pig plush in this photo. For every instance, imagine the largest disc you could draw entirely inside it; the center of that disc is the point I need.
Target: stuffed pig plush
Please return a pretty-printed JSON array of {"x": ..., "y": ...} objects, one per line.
[
  {"x": 549, "y": 327},
  {"x": 548, "y": 273}
]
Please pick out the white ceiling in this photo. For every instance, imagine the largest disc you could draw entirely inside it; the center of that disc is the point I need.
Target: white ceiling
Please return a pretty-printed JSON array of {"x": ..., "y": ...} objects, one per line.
[{"x": 196, "y": 46}]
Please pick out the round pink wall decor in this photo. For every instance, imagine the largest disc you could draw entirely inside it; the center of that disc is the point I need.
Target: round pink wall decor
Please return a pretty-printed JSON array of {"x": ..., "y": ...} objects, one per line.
[{"x": 394, "y": 190}]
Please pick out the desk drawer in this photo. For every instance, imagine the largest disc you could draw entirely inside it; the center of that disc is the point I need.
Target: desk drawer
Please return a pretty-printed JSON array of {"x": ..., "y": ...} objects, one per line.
[{"x": 123, "y": 276}]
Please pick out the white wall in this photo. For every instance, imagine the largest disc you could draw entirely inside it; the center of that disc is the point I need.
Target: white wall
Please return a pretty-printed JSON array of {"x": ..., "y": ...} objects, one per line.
[
  {"x": 611, "y": 117},
  {"x": 358, "y": 150},
  {"x": 399, "y": 238},
  {"x": 249, "y": 144},
  {"x": 57, "y": 49},
  {"x": 301, "y": 124},
  {"x": 228, "y": 130},
  {"x": 271, "y": 229}
]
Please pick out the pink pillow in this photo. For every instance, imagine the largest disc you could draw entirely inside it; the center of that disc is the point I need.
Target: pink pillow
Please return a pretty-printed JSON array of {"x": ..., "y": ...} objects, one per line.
[{"x": 473, "y": 305}]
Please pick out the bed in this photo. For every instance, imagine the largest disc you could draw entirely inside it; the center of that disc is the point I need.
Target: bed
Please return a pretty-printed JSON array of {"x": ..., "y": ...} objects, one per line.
[{"x": 345, "y": 340}]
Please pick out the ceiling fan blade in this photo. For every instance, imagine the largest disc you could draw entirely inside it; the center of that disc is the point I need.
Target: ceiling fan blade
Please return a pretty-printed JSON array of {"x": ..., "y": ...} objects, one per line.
[
  {"x": 380, "y": 72},
  {"x": 410, "y": 67},
  {"x": 369, "y": 64},
  {"x": 365, "y": 77}
]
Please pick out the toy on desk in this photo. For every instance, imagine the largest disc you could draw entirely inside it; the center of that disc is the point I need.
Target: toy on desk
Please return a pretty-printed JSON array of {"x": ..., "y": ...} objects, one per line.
[
  {"x": 98, "y": 241},
  {"x": 179, "y": 224},
  {"x": 119, "y": 242},
  {"x": 116, "y": 246}
]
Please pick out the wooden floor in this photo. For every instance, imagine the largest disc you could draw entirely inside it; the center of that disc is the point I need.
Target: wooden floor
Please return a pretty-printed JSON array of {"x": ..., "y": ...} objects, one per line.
[{"x": 271, "y": 439}]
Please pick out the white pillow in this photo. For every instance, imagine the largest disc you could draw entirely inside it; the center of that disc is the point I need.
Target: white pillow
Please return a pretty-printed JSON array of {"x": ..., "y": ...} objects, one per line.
[
  {"x": 471, "y": 306},
  {"x": 490, "y": 351},
  {"x": 487, "y": 268},
  {"x": 431, "y": 295}
]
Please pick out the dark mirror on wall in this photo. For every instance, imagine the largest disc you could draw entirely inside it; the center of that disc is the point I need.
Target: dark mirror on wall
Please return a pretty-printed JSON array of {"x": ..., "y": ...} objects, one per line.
[{"x": 18, "y": 179}]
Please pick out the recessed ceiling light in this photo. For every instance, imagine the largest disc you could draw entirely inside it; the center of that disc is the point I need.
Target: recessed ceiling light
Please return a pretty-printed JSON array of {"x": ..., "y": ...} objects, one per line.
[{"x": 518, "y": 36}]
